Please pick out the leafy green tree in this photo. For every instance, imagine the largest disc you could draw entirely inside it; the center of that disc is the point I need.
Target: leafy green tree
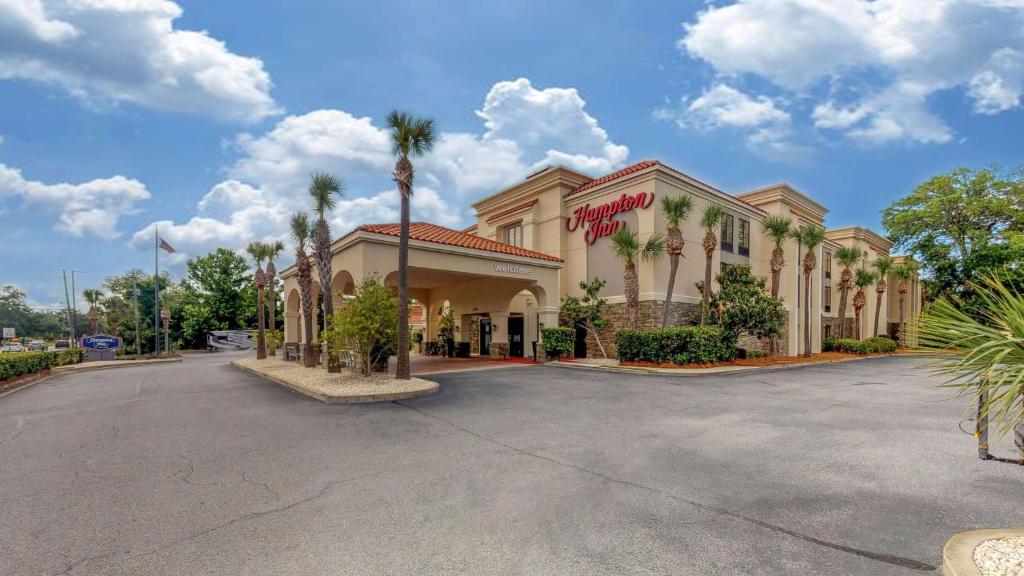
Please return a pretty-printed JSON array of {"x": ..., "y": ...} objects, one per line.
[
  {"x": 675, "y": 209},
  {"x": 214, "y": 294},
  {"x": 627, "y": 247},
  {"x": 810, "y": 237},
  {"x": 710, "y": 219},
  {"x": 961, "y": 226},
  {"x": 742, "y": 303},
  {"x": 587, "y": 310},
  {"x": 368, "y": 324},
  {"x": 410, "y": 136},
  {"x": 15, "y": 312},
  {"x": 121, "y": 285}
]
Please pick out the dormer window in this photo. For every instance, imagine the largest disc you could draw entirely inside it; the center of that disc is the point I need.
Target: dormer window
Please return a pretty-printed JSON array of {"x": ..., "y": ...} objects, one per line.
[{"x": 513, "y": 234}]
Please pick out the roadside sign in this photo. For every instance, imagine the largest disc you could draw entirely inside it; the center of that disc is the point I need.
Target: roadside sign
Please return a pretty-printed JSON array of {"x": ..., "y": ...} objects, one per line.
[
  {"x": 101, "y": 342},
  {"x": 8, "y": 332}
]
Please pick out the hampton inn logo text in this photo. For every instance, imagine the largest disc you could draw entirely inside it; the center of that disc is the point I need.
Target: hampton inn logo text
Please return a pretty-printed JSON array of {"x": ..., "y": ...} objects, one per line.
[{"x": 599, "y": 221}]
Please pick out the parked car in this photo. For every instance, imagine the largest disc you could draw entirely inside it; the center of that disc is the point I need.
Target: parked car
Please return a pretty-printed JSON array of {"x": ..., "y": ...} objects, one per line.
[
  {"x": 37, "y": 346},
  {"x": 61, "y": 345},
  {"x": 12, "y": 347}
]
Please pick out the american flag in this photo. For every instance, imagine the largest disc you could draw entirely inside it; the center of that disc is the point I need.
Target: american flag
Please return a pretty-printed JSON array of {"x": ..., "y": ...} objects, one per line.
[{"x": 170, "y": 249}]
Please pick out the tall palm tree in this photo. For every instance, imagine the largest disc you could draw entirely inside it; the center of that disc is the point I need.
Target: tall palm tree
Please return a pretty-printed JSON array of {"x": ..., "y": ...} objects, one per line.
[
  {"x": 778, "y": 227},
  {"x": 882, "y": 266},
  {"x": 903, "y": 271},
  {"x": 809, "y": 237},
  {"x": 258, "y": 251},
  {"x": 323, "y": 189},
  {"x": 710, "y": 219},
  {"x": 847, "y": 257},
  {"x": 626, "y": 247},
  {"x": 93, "y": 297},
  {"x": 300, "y": 234},
  {"x": 675, "y": 209},
  {"x": 863, "y": 279},
  {"x": 274, "y": 249},
  {"x": 410, "y": 136}
]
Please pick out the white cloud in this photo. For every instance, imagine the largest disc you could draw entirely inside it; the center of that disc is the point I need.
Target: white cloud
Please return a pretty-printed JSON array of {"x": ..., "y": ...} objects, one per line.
[
  {"x": 92, "y": 207},
  {"x": 887, "y": 56},
  {"x": 767, "y": 127},
  {"x": 523, "y": 128},
  {"x": 107, "y": 51}
]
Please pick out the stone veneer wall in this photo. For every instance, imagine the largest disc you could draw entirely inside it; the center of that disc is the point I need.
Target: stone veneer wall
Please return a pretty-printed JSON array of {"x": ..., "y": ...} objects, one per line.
[
  {"x": 834, "y": 323},
  {"x": 650, "y": 311}
]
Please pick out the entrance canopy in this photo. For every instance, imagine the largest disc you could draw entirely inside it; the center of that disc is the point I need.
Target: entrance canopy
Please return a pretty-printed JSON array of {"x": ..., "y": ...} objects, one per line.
[{"x": 478, "y": 277}]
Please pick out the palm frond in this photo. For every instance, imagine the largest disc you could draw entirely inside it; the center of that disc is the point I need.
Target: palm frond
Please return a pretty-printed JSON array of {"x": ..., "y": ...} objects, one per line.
[
  {"x": 410, "y": 136},
  {"x": 982, "y": 354},
  {"x": 323, "y": 188},
  {"x": 904, "y": 270},
  {"x": 675, "y": 209},
  {"x": 711, "y": 216},
  {"x": 778, "y": 227},
  {"x": 625, "y": 245},
  {"x": 810, "y": 236},
  {"x": 882, "y": 265},
  {"x": 848, "y": 256},
  {"x": 258, "y": 251},
  {"x": 654, "y": 248},
  {"x": 863, "y": 278},
  {"x": 300, "y": 229}
]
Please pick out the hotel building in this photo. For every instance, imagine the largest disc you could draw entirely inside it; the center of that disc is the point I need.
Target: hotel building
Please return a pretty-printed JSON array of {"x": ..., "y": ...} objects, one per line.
[{"x": 534, "y": 242}]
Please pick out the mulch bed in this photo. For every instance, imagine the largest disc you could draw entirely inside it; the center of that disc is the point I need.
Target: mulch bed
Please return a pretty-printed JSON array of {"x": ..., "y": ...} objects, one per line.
[
  {"x": 16, "y": 381},
  {"x": 766, "y": 361}
]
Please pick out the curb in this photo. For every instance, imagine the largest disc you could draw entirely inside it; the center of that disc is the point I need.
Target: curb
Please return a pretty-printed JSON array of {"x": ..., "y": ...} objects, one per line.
[
  {"x": 958, "y": 553},
  {"x": 72, "y": 368},
  {"x": 691, "y": 372},
  {"x": 362, "y": 399}
]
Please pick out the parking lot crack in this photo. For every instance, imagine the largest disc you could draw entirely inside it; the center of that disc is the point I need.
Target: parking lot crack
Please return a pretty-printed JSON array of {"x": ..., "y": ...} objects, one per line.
[{"x": 880, "y": 557}]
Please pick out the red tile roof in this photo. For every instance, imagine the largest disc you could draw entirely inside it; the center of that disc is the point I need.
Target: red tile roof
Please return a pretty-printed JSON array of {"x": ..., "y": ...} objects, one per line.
[
  {"x": 416, "y": 314},
  {"x": 632, "y": 169},
  {"x": 426, "y": 232},
  {"x": 512, "y": 210}
]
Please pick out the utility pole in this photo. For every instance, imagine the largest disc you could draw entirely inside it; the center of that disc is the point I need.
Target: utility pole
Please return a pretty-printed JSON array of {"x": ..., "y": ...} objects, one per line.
[
  {"x": 74, "y": 305},
  {"x": 138, "y": 333},
  {"x": 67, "y": 309},
  {"x": 156, "y": 292}
]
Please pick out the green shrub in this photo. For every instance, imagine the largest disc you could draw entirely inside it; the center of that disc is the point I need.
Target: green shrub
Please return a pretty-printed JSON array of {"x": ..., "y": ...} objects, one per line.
[
  {"x": 851, "y": 346},
  {"x": 679, "y": 345},
  {"x": 558, "y": 342},
  {"x": 18, "y": 363},
  {"x": 745, "y": 354}
]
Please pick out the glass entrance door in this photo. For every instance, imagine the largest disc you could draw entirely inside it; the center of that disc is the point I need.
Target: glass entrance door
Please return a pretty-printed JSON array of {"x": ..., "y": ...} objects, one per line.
[
  {"x": 485, "y": 336},
  {"x": 515, "y": 336}
]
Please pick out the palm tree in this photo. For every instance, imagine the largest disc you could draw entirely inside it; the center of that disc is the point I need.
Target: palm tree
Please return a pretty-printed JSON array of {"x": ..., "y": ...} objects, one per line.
[
  {"x": 779, "y": 228},
  {"x": 410, "y": 136},
  {"x": 863, "y": 279},
  {"x": 300, "y": 234},
  {"x": 675, "y": 209},
  {"x": 323, "y": 190},
  {"x": 710, "y": 219},
  {"x": 258, "y": 251},
  {"x": 626, "y": 247},
  {"x": 847, "y": 257},
  {"x": 882, "y": 265},
  {"x": 983, "y": 353},
  {"x": 904, "y": 271},
  {"x": 809, "y": 237},
  {"x": 93, "y": 297},
  {"x": 273, "y": 250}
]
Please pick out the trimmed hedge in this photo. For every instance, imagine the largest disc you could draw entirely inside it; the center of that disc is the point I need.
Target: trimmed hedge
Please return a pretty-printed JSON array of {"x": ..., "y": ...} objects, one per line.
[
  {"x": 745, "y": 354},
  {"x": 18, "y": 363},
  {"x": 872, "y": 345},
  {"x": 558, "y": 342},
  {"x": 679, "y": 345}
]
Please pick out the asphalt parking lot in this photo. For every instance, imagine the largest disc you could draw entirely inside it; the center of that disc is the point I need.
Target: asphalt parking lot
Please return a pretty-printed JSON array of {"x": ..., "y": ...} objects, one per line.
[{"x": 197, "y": 468}]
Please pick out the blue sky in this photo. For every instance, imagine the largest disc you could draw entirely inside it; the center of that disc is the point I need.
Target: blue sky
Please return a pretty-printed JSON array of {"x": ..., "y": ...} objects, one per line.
[{"x": 207, "y": 117}]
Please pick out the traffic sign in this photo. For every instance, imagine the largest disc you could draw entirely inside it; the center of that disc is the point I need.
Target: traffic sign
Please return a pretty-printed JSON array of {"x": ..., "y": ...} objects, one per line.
[{"x": 8, "y": 332}]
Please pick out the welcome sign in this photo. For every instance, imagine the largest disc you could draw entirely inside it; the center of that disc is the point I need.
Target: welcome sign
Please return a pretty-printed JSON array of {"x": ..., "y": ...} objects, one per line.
[
  {"x": 101, "y": 342},
  {"x": 599, "y": 221}
]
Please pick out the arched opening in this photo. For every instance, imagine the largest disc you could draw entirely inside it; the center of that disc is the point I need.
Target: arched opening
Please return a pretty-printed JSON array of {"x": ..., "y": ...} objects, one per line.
[
  {"x": 342, "y": 285},
  {"x": 292, "y": 316}
]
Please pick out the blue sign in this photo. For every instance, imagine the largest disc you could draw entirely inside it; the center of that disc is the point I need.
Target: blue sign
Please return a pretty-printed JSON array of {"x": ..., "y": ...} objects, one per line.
[{"x": 101, "y": 342}]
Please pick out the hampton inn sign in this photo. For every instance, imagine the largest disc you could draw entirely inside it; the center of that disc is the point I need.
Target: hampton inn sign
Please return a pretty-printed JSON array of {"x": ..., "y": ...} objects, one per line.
[{"x": 599, "y": 221}]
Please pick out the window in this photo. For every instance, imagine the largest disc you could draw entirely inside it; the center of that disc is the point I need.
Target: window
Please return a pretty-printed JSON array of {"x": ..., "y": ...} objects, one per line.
[
  {"x": 828, "y": 265},
  {"x": 727, "y": 232},
  {"x": 744, "y": 248},
  {"x": 826, "y": 298},
  {"x": 514, "y": 235}
]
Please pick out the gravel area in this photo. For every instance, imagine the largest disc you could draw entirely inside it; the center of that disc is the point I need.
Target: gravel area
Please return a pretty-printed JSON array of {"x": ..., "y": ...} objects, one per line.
[
  {"x": 1001, "y": 557},
  {"x": 339, "y": 385}
]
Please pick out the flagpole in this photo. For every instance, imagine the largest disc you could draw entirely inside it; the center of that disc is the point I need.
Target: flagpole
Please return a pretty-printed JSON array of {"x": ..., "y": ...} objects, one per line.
[{"x": 156, "y": 291}]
